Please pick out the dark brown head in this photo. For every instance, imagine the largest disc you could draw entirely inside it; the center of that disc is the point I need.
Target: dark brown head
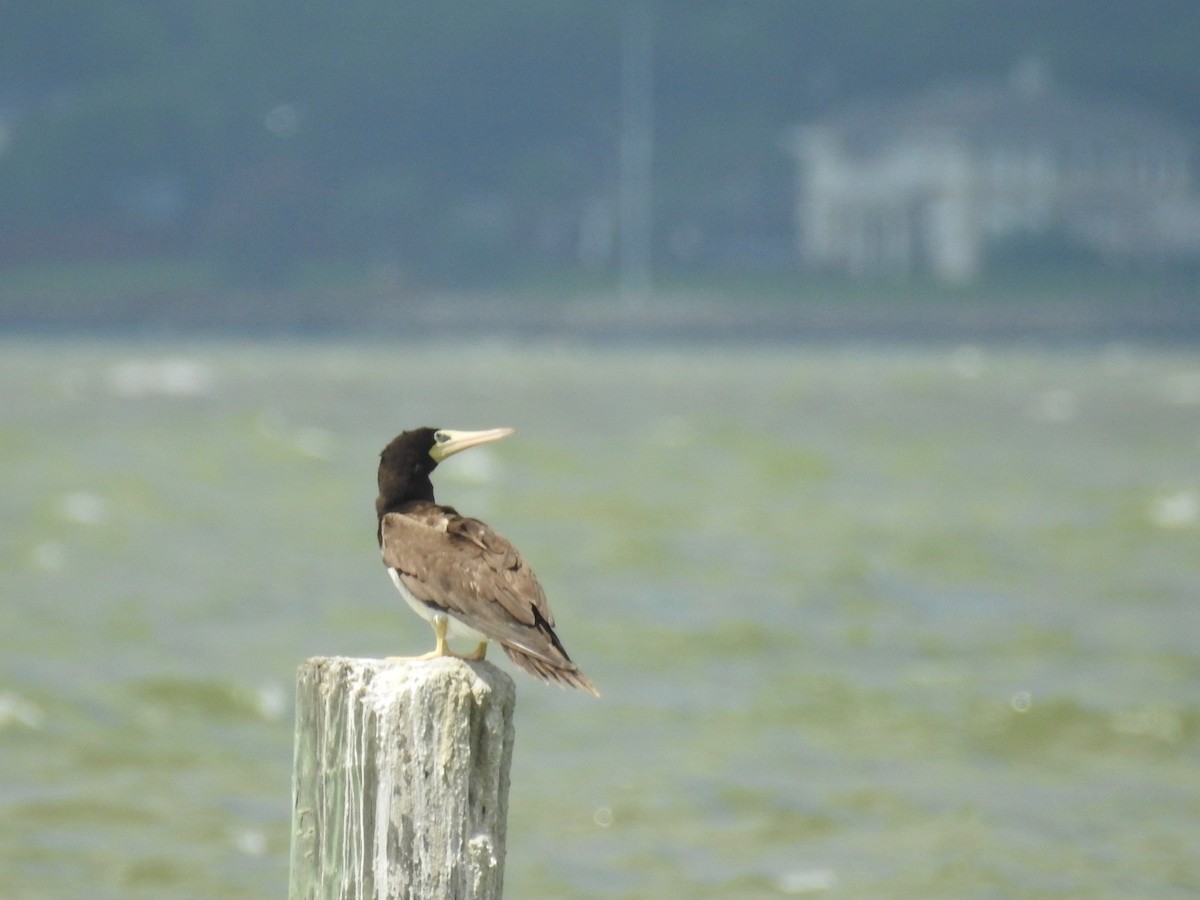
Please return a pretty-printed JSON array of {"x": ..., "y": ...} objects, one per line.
[{"x": 406, "y": 463}]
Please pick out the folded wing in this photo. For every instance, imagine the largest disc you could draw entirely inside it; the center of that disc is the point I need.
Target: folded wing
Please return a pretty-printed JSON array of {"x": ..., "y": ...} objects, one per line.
[{"x": 460, "y": 566}]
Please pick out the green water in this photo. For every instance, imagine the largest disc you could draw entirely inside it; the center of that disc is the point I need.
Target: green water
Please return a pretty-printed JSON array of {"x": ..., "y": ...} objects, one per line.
[{"x": 868, "y": 623}]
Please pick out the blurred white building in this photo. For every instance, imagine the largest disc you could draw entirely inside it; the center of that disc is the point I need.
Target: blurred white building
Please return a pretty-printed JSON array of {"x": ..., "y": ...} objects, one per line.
[{"x": 930, "y": 183}]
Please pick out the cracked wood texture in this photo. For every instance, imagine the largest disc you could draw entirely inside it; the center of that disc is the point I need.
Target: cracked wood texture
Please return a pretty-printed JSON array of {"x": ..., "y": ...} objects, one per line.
[{"x": 400, "y": 786}]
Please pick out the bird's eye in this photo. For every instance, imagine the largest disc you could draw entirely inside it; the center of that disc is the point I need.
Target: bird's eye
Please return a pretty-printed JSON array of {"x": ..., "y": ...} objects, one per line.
[{"x": 441, "y": 437}]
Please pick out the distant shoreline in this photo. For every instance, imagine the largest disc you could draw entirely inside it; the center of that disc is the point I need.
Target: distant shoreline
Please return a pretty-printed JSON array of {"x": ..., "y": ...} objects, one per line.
[{"x": 1087, "y": 313}]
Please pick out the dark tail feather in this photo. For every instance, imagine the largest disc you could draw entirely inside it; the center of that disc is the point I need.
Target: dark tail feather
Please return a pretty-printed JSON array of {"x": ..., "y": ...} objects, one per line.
[{"x": 568, "y": 675}]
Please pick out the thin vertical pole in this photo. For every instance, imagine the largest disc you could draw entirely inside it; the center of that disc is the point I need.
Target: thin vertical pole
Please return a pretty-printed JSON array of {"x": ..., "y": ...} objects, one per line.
[{"x": 635, "y": 201}]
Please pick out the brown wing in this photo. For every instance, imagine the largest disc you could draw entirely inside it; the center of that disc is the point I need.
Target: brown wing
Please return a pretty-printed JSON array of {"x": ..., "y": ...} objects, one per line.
[{"x": 460, "y": 566}]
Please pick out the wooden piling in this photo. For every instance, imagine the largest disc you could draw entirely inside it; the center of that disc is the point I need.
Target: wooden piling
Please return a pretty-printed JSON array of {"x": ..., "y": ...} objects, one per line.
[{"x": 400, "y": 786}]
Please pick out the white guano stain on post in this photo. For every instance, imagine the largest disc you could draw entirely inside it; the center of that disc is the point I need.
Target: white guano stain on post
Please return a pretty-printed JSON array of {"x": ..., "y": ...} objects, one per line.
[{"x": 401, "y": 779}]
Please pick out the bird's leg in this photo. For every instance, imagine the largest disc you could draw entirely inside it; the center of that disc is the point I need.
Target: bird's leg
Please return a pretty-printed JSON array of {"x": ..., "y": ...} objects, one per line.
[{"x": 440, "y": 624}]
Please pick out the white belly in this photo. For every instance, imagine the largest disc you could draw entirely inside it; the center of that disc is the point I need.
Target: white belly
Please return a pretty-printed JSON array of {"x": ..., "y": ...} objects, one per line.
[{"x": 455, "y": 630}]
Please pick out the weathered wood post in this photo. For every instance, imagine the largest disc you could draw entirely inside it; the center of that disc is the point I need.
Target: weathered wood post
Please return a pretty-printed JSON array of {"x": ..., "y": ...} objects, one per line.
[{"x": 400, "y": 787}]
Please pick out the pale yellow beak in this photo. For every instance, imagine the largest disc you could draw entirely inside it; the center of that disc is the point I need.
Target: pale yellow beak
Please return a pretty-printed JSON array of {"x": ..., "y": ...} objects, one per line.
[{"x": 448, "y": 442}]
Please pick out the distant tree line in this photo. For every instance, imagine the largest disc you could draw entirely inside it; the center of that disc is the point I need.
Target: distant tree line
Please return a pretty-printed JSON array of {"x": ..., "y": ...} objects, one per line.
[{"x": 472, "y": 140}]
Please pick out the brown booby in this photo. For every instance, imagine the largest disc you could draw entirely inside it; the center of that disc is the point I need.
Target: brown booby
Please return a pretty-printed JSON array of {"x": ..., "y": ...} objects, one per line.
[{"x": 457, "y": 573}]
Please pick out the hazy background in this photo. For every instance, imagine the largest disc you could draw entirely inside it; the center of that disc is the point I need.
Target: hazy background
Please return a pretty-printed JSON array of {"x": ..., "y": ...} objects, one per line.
[
  {"x": 889, "y": 581},
  {"x": 316, "y": 166}
]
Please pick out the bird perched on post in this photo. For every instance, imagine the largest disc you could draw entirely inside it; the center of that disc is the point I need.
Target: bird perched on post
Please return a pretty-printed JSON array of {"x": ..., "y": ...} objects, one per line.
[{"x": 455, "y": 571}]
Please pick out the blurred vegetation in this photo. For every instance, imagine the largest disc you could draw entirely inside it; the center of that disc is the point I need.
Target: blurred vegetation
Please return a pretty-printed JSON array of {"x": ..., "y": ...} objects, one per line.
[{"x": 470, "y": 143}]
